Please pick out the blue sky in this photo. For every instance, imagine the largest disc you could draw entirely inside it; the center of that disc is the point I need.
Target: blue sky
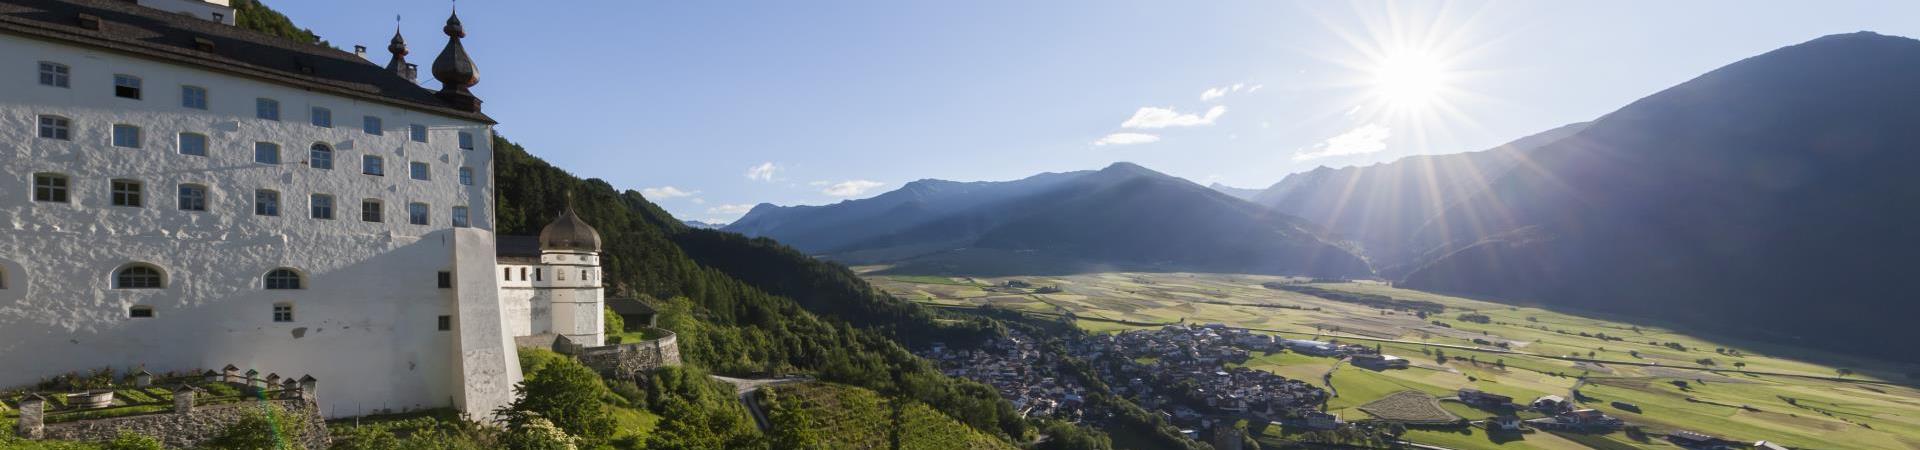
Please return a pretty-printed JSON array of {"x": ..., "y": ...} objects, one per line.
[{"x": 713, "y": 106}]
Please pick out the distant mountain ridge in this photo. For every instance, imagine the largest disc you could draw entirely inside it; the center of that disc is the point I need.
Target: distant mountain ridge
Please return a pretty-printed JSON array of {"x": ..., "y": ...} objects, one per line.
[
  {"x": 1122, "y": 216},
  {"x": 1236, "y": 192},
  {"x": 1772, "y": 197}
]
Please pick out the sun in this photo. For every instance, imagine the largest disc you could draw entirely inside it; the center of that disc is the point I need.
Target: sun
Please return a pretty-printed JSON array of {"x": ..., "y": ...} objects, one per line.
[{"x": 1410, "y": 79}]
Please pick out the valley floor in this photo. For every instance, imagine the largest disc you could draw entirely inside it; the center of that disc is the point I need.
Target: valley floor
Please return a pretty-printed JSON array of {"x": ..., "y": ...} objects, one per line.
[{"x": 1739, "y": 390}]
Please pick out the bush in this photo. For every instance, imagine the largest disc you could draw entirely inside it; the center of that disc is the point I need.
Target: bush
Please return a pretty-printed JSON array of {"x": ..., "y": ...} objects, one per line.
[
  {"x": 614, "y": 323},
  {"x": 132, "y": 441},
  {"x": 569, "y": 395},
  {"x": 536, "y": 433},
  {"x": 270, "y": 427}
]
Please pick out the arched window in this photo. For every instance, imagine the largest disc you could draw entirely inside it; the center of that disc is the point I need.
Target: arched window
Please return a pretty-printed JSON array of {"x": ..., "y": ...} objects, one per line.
[
  {"x": 320, "y": 156},
  {"x": 283, "y": 278},
  {"x": 138, "y": 276}
]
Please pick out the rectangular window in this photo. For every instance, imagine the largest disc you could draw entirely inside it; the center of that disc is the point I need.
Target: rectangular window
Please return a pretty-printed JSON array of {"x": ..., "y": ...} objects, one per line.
[
  {"x": 371, "y": 125},
  {"x": 446, "y": 280},
  {"x": 536, "y": 274},
  {"x": 54, "y": 74},
  {"x": 466, "y": 176},
  {"x": 523, "y": 274},
  {"x": 322, "y": 206},
  {"x": 322, "y": 117},
  {"x": 127, "y": 136},
  {"x": 193, "y": 97},
  {"x": 266, "y": 153},
  {"x": 56, "y": 127},
  {"x": 125, "y": 193},
  {"x": 417, "y": 213},
  {"x": 266, "y": 108},
  {"x": 466, "y": 141},
  {"x": 266, "y": 203},
  {"x": 460, "y": 216},
  {"x": 372, "y": 165},
  {"x": 419, "y": 171},
  {"x": 506, "y": 273},
  {"x": 370, "y": 211},
  {"x": 193, "y": 197},
  {"x": 126, "y": 86},
  {"x": 320, "y": 157},
  {"x": 283, "y": 313},
  {"x": 49, "y": 187},
  {"x": 417, "y": 132},
  {"x": 193, "y": 144},
  {"x": 446, "y": 323},
  {"x": 140, "y": 312}
]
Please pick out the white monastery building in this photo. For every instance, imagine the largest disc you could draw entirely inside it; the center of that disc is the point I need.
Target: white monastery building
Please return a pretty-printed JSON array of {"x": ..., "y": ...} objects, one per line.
[{"x": 180, "y": 194}]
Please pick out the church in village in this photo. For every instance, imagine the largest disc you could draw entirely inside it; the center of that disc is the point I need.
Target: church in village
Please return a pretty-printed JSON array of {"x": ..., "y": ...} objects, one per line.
[{"x": 180, "y": 194}]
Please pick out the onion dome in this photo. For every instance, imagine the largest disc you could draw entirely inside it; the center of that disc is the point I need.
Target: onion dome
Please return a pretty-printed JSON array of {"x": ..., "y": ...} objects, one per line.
[
  {"x": 399, "y": 49},
  {"x": 455, "y": 70},
  {"x": 568, "y": 232}
]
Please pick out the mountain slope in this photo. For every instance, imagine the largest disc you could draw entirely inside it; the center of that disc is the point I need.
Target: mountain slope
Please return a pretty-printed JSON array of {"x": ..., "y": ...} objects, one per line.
[
  {"x": 1121, "y": 217},
  {"x": 1382, "y": 205},
  {"x": 1770, "y": 197},
  {"x": 1236, "y": 192}
]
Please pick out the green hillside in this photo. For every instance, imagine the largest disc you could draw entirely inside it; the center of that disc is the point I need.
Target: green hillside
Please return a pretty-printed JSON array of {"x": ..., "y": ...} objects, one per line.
[{"x": 832, "y": 416}]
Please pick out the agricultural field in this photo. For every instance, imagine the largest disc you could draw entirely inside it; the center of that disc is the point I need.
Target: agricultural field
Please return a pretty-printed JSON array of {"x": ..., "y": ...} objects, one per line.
[
  {"x": 1678, "y": 381},
  {"x": 1408, "y": 407}
]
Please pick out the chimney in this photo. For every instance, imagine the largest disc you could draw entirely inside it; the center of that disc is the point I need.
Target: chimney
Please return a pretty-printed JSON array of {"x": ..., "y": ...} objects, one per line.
[{"x": 360, "y": 51}]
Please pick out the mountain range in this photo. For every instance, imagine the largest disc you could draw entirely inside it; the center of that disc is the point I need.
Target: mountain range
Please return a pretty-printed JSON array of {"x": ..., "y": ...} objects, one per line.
[{"x": 1122, "y": 217}]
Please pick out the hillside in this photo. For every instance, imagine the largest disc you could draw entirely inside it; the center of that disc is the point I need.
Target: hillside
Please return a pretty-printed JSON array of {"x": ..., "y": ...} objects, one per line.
[
  {"x": 1121, "y": 216},
  {"x": 1769, "y": 197},
  {"x": 1380, "y": 206},
  {"x": 1236, "y": 192},
  {"x": 820, "y": 415}
]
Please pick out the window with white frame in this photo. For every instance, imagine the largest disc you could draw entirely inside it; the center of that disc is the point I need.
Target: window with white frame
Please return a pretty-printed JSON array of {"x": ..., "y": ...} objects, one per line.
[
  {"x": 371, "y": 125},
  {"x": 371, "y": 210},
  {"x": 266, "y": 153},
  {"x": 50, "y": 187},
  {"x": 126, "y": 86},
  {"x": 124, "y": 192},
  {"x": 282, "y": 278},
  {"x": 54, "y": 74},
  {"x": 320, "y": 156},
  {"x": 417, "y": 213},
  {"x": 322, "y": 206},
  {"x": 193, "y": 144},
  {"x": 56, "y": 127},
  {"x": 283, "y": 312},
  {"x": 373, "y": 165},
  {"x": 138, "y": 276},
  {"x": 322, "y": 117},
  {"x": 127, "y": 136},
  {"x": 420, "y": 171},
  {"x": 266, "y": 108},
  {"x": 266, "y": 202},
  {"x": 193, "y": 197},
  {"x": 193, "y": 97}
]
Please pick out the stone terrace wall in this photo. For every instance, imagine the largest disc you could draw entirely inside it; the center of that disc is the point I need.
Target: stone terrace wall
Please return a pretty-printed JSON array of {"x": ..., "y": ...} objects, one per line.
[
  {"x": 192, "y": 429},
  {"x": 624, "y": 361}
]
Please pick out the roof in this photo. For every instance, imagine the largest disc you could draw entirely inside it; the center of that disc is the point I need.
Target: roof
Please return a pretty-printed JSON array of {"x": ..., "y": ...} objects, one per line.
[
  {"x": 168, "y": 37},
  {"x": 516, "y": 247},
  {"x": 569, "y": 232},
  {"x": 629, "y": 306}
]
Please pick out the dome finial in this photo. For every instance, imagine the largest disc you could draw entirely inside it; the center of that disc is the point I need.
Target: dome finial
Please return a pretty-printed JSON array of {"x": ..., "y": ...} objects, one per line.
[
  {"x": 455, "y": 70},
  {"x": 398, "y": 46}
]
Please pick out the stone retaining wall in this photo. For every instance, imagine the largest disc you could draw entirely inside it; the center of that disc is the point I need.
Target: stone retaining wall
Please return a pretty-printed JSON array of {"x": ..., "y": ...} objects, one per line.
[
  {"x": 625, "y": 361},
  {"x": 193, "y": 428}
]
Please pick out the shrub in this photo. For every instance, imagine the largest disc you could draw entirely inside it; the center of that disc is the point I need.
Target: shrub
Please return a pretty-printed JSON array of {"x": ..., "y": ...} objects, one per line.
[
  {"x": 537, "y": 433},
  {"x": 132, "y": 441},
  {"x": 614, "y": 323},
  {"x": 270, "y": 427},
  {"x": 569, "y": 395}
]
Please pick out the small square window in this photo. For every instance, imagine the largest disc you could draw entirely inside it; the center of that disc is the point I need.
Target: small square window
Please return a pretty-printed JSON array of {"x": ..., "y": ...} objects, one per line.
[
  {"x": 266, "y": 153},
  {"x": 417, "y": 132},
  {"x": 322, "y": 117},
  {"x": 266, "y": 203},
  {"x": 417, "y": 213},
  {"x": 193, "y": 97},
  {"x": 56, "y": 127},
  {"x": 49, "y": 187},
  {"x": 193, "y": 144},
  {"x": 127, "y": 136},
  {"x": 372, "y": 126},
  {"x": 460, "y": 216},
  {"x": 322, "y": 205},
  {"x": 125, "y": 193},
  {"x": 373, "y": 165},
  {"x": 266, "y": 108},
  {"x": 320, "y": 156},
  {"x": 446, "y": 280},
  {"x": 54, "y": 74},
  {"x": 126, "y": 86},
  {"x": 466, "y": 176},
  {"x": 283, "y": 313},
  {"x": 466, "y": 141},
  {"x": 193, "y": 197},
  {"x": 370, "y": 211},
  {"x": 420, "y": 171},
  {"x": 446, "y": 323},
  {"x": 140, "y": 312}
]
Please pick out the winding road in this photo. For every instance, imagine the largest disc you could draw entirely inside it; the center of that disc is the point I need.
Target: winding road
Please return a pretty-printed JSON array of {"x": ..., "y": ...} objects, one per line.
[{"x": 745, "y": 387}]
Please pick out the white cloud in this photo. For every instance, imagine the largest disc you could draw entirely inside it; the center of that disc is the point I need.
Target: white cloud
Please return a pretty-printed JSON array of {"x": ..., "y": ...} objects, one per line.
[
  {"x": 762, "y": 172},
  {"x": 1255, "y": 88},
  {"x": 1364, "y": 139},
  {"x": 1126, "y": 139},
  {"x": 734, "y": 209},
  {"x": 1153, "y": 118},
  {"x": 666, "y": 192},
  {"x": 1213, "y": 93},
  {"x": 698, "y": 201},
  {"x": 851, "y": 188}
]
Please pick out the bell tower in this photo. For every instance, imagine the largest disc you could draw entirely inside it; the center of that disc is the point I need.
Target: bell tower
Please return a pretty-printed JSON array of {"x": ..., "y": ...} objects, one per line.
[{"x": 571, "y": 250}]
